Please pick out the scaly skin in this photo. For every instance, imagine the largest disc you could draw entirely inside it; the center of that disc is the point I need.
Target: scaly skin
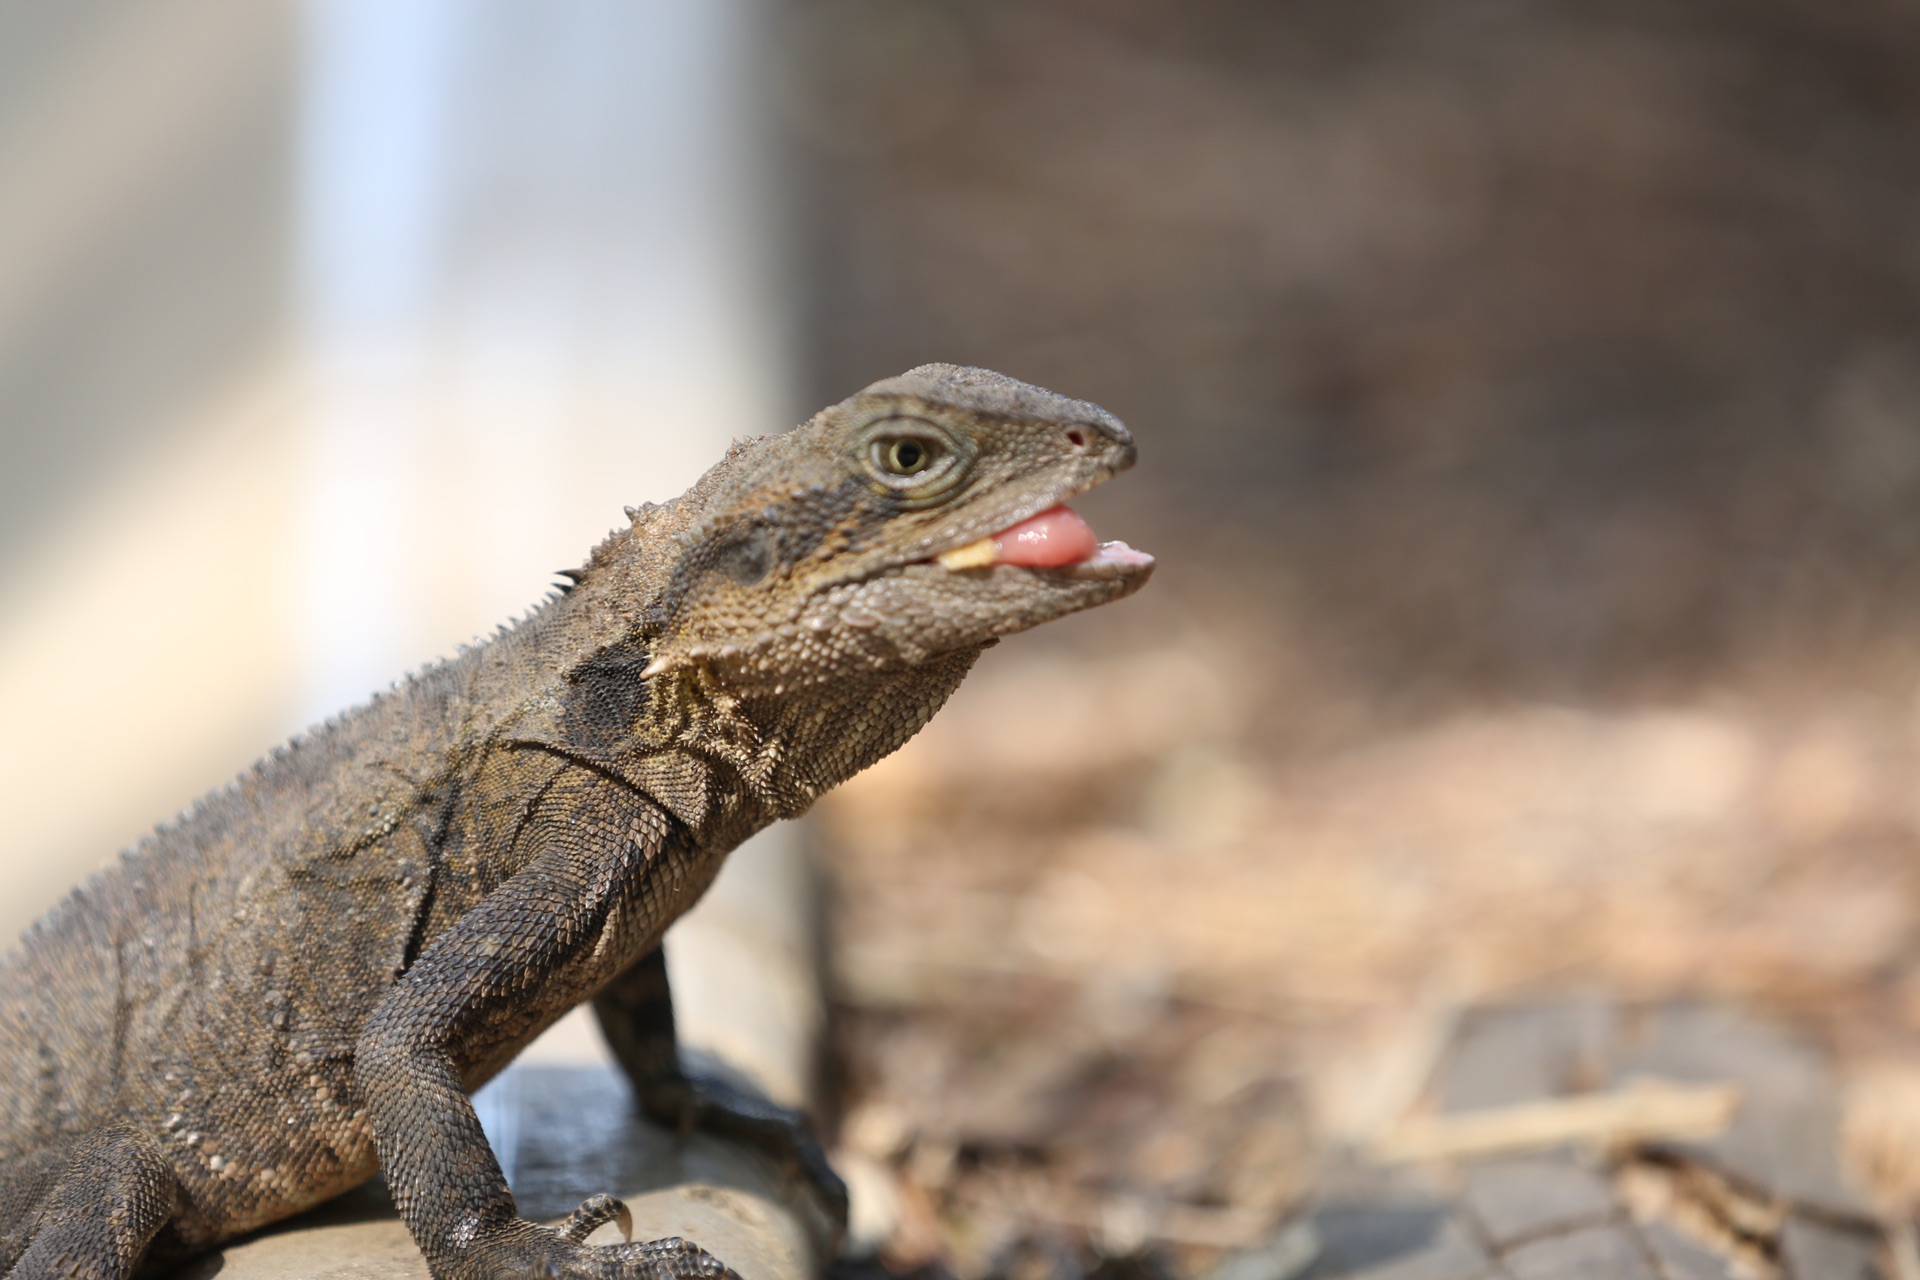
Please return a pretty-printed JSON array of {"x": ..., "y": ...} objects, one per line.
[{"x": 301, "y": 981}]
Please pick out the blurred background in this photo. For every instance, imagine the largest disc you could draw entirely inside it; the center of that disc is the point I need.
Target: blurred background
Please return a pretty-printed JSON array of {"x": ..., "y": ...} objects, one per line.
[{"x": 1529, "y": 408}]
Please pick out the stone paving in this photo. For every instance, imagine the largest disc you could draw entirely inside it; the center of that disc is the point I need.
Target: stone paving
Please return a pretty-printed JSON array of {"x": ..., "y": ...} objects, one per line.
[{"x": 1765, "y": 1200}]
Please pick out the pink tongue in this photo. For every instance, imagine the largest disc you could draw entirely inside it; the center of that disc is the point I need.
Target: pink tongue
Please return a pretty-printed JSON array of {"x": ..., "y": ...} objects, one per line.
[{"x": 1054, "y": 537}]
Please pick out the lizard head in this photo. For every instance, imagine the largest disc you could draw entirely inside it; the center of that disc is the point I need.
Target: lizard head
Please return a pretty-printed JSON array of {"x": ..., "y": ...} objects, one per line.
[{"x": 920, "y": 518}]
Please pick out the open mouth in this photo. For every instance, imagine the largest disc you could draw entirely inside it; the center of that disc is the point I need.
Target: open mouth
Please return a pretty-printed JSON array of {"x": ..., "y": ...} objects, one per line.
[{"x": 1056, "y": 538}]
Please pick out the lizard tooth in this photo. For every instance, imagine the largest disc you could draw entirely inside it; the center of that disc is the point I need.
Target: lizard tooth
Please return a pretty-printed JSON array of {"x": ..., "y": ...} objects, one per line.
[{"x": 975, "y": 555}]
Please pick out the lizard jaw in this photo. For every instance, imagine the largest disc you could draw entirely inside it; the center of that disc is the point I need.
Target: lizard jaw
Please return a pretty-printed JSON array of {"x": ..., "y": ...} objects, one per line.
[{"x": 1056, "y": 538}]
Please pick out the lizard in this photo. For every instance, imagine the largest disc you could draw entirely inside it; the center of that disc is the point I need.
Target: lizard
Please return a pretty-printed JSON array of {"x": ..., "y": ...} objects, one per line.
[{"x": 298, "y": 982}]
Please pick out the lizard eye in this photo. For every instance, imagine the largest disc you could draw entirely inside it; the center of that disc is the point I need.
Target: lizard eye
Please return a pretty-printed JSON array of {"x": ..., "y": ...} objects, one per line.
[
  {"x": 904, "y": 455},
  {"x": 916, "y": 461}
]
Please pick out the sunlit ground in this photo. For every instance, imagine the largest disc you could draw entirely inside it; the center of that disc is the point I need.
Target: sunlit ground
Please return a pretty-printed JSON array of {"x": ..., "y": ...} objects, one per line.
[{"x": 1146, "y": 918}]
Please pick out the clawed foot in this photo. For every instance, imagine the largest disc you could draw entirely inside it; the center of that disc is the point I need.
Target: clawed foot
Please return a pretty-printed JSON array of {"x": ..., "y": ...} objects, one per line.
[
  {"x": 526, "y": 1250},
  {"x": 708, "y": 1103}
]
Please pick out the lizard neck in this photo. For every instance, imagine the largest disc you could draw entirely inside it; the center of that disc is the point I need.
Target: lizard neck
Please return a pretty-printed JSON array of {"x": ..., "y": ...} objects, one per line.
[
  {"x": 815, "y": 738},
  {"x": 727, "y": 763},
  {"x": 724, "y": 757}
]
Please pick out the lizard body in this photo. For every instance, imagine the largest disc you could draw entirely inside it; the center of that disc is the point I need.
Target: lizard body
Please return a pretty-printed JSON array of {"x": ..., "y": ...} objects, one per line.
[{"x": 300, "y": 981}]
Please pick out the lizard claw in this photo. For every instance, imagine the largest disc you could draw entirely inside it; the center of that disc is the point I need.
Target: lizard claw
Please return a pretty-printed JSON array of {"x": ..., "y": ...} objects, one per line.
[{"x": 594, "y": 1213}]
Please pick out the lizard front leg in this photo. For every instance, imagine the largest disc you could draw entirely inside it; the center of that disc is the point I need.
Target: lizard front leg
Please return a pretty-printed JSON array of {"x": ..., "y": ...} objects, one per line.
[
  {"x": 635, "y": 1011},
  {"x": 540, "y": 925}
]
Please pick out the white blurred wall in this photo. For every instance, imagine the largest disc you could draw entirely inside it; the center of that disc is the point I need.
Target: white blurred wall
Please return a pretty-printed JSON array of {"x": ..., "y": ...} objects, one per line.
[
  {"x": 146, "y": 424},
  {"x": 327, "y": 334},
  {"x": 534, "y": 285}
]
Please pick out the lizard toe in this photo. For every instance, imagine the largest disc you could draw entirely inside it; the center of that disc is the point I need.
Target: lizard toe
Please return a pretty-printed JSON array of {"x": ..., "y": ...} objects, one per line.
[
  {"x": 594, "y": 1213},
  {"x": 670, "y": 1258}
]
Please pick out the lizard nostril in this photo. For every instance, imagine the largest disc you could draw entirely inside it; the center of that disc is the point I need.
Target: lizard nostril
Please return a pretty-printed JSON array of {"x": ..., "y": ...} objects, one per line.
[{"x": 1077, "y": 437}]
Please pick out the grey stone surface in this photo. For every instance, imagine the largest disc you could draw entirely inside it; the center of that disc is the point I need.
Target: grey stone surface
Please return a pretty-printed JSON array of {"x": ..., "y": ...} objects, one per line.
[
  {"x": 1518, "y": 1198},
  {"x": 1785, "y": 1138},
  {"x": 1405, "y": 1241},
  {"x": 1683, "y": 1258},
  {"x": 1597, "y": 1253},
  {"x": 1524, "y": 1053},
  {"x": 1816, "y": 1251},
  {"x": 1557, "y": 1215},
  {"x": 575, "y": 1135},
  {"x": 1288, "y": 1254}
]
